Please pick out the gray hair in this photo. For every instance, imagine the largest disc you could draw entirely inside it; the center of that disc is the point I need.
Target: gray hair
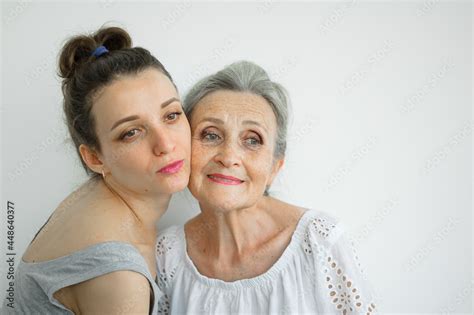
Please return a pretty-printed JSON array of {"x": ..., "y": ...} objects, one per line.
[{"x": 246, "y": 76}]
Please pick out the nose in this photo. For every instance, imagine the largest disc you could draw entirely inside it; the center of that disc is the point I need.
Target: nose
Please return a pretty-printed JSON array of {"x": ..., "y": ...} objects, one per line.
[
  {"x": 227, "y": 156},
  {"x": 162, "y": 142}
]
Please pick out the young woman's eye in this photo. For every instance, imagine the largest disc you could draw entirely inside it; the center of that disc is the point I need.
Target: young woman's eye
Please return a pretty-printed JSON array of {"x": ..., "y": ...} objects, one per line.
[
  {"x": 129, "y": 134},
  {"x": 173, "y": 116}
]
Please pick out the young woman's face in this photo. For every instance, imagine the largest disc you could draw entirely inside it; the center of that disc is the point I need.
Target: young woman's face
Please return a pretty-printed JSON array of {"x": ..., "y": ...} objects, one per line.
[
  {"x": 233, "y": 143},
  {"x": 144, "y": 135}
]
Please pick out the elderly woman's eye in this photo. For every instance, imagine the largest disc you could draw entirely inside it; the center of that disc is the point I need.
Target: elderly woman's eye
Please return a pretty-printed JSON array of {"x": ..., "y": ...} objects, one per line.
[
  {"x": 253, "y": 141},
  {"x": 210, "y": 136}
]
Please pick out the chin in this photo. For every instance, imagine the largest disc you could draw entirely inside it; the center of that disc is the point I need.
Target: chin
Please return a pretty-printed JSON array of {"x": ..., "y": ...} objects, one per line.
[
  {"x": 225, "y": 204},
  {"x": 177, "y": 184}
]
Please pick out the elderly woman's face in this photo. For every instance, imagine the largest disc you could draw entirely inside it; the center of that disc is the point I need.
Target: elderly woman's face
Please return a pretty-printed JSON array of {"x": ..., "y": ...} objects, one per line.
[{"x": 233, "y": 141}]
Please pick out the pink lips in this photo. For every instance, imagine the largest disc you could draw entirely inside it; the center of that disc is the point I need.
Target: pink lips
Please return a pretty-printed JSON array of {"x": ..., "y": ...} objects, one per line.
[
  {"x": 224, "y": 179},
  {"x": 172, "y": 167}
]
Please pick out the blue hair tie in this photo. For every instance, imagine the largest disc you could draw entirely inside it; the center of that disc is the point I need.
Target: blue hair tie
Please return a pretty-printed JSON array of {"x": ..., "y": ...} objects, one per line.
[{"x": 99, "y": 51}]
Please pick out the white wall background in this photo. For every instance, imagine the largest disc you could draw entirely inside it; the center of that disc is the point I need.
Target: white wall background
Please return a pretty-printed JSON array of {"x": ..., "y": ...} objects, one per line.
[{"x": 381, "y": 134}]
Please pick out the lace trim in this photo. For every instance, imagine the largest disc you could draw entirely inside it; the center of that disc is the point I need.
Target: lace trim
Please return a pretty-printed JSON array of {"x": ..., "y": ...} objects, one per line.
[
  {"x": 166, "y": 277},
  {"x": 344, "y": 295},
  {"x": 164, "y": 305},
  {"x": 322, "y": 226},
  {"x": 342, "y": 291},
  {"x": 163, "y": 245}
]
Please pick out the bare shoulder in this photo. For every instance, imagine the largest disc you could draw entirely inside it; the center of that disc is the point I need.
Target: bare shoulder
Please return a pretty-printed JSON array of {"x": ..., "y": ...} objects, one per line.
[
  {"x": 83, "y": 219},
  {"x": 119, "y": 292},
  {"x": 288, "y": 212},
  {"x": 320, "y": 224}
]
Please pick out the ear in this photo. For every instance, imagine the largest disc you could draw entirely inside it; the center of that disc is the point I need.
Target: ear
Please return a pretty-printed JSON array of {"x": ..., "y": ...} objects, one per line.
[
  {"x": 91, "y": 158},
  {"x": 276, "y": 167}
]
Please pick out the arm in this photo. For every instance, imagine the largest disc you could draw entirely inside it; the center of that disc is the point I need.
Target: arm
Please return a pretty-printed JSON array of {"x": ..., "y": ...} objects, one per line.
[
  {"x": 119, "y": 292},
  {"x": 346, "y": 286}
]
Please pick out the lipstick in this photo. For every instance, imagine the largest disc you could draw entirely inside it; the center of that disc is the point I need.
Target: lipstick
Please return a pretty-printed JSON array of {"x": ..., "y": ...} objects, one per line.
[
  {"x": 172, "y": 168},
  {"x": 224, "y": 179}
]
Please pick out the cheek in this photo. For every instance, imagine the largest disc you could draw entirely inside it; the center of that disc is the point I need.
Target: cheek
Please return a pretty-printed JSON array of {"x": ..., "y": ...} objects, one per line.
[
  {"x": 183, "y": 137},
  {"x": 132, "y": 161},
  {"x": 125, "y": 157},
  {"x": 199, "y": 156},
  {"x": 260, "y": 166}
]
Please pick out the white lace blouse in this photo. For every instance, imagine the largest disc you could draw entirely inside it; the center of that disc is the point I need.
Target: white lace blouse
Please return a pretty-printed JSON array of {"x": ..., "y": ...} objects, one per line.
[{"x": 318, "y": 272}]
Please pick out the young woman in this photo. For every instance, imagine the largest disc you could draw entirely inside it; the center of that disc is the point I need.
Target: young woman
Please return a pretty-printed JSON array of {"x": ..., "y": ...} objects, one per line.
[{"x": 96, "y": 253}]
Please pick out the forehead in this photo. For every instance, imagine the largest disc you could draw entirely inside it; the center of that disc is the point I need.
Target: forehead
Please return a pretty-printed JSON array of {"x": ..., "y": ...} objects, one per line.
[
  {"x": 234, "y": 106},
  {"x": 132, "y": 94}
]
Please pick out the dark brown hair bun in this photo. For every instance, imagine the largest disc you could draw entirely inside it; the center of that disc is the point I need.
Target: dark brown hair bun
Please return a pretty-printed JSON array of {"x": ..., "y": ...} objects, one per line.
[{"x": 77, "y": 51}]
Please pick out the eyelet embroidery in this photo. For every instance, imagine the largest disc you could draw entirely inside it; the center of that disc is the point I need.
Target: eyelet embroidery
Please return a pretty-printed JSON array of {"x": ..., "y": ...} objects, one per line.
[
  {"x": 322, "y": 226},
  {"x": 342, "y": 293},
  {"x": 370, "y": 309},
  {"x": 306, "y": 244},
  {"x": 164, "y": 278},
  {"x": 164, "y": 305},
  {"x": 356, "y": 257},
  {"x": 341, "y": 289},
  {"x": 163, "y": 245}
]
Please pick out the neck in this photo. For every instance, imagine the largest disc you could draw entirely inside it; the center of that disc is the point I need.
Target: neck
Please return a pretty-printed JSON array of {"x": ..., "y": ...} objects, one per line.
[
  {"x": 231, "y": 235},
  {"x": 147, "y": 209}
]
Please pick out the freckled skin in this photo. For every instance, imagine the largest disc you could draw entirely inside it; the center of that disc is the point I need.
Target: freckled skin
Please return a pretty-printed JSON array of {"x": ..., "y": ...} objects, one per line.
[
  {"x": 232, "y": 155},
  {"x": 239, "y": 233}
]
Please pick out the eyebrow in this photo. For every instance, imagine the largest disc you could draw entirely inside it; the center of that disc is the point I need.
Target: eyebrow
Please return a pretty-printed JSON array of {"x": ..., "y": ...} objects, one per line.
[
  {"x": 171, "y": 100},
  {"x": 245, "y": 122},
  {"x": 121, "y": 121},
  {"x": 135, "y": 117},
  {"x": 253, "y": 122},
  {"x": 214, "y": 120}
]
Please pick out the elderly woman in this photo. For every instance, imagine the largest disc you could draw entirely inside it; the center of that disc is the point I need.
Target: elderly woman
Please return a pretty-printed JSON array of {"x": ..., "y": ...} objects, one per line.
[{"x": 247, "y": 252}]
